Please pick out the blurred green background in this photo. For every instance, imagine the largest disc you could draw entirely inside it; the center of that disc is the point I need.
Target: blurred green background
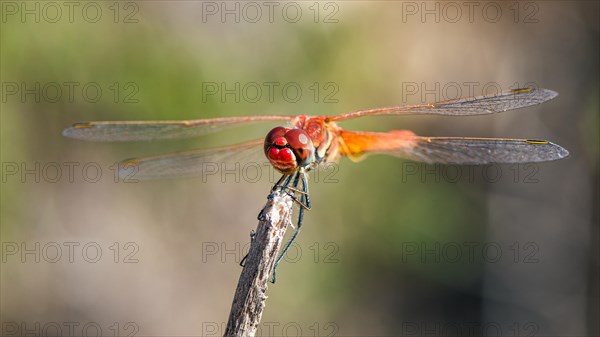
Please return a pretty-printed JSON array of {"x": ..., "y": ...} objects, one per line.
[{"x": 378, "y": 252}]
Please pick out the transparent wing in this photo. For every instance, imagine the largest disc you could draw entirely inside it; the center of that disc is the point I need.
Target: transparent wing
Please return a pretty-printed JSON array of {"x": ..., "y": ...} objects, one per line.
[
  {"x": 479, "y": 105},
  {"x": 451, "y": 150},
  {"x": 153, "y": 130},
  {"x": 192, "y": 163},
  {"x": 481, "y": 151}
]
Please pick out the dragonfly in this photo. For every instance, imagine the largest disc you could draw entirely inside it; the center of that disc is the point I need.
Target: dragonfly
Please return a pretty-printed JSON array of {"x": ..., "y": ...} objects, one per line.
[{"x": 305, "y": 142}]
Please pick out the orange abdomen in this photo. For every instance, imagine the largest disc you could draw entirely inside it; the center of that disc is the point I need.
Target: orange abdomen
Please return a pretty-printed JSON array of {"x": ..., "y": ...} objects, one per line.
[{"x": 355, "y": 144}]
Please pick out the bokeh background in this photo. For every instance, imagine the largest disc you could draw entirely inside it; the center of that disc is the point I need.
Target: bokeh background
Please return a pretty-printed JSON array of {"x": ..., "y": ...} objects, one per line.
[{"x": 390, "y": 247}]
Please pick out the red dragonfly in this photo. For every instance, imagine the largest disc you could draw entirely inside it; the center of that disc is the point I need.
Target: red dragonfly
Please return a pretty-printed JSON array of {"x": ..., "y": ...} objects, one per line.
[{"x": 308, "y": 141}]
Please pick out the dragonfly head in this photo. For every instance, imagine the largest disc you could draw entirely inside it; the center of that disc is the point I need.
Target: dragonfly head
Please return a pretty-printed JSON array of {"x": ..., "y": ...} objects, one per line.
[{"x": 287, "y": 149}]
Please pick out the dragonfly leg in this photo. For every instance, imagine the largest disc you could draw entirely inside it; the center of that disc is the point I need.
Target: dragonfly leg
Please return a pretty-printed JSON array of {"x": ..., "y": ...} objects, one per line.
[
  {"x": 286, "y": 186},
  {"x": 278, "y": 183},
  {"x": 300, "y": 173},
  {"x": 285, "y": 183},
  {"x": 305, "y": 188},
  {"x": 305, "y": 203},
  {"x": 260, "y": 216},
  {"x": 252, "y": 236}
]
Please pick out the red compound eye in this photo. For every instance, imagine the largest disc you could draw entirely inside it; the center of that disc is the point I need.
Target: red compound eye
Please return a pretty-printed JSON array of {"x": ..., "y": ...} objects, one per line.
[
  {"x": 273, "y": 136},
  {"x": 283, "y": 156},
  {"x": 303, "y": 147},
  {"x": 287, "y": 149},
  {"x": 280, "y": 142},
  {"x": 282, "y": 159}
]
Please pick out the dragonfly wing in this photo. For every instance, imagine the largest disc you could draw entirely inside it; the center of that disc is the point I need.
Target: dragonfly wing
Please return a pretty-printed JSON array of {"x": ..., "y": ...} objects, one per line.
[
  {"x": 479, "y": 105},
  {"x": 192, "y": 163},
  {"x": 474, "y": 151},
  {"x": 451, "y": 150},
  {"x": 153, "y": 130}
]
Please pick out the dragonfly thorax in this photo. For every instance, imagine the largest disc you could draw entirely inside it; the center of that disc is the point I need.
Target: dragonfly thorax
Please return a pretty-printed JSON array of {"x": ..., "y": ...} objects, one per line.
[{"x": 288, "y": 149}]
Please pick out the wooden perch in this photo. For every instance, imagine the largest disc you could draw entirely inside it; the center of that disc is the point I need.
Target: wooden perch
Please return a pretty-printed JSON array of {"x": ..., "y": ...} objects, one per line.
[{"x": 250, "y": 295}]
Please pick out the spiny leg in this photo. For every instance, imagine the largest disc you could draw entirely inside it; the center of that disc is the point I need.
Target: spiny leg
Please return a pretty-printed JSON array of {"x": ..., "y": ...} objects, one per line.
[
  {"x": 305, "y": 204},
  {"x": 287, "y": 181},
  {"x": 289, "y": 244},
  {"x": 278, "y": 183},
  {"x": 305, "y": 189},
  {"x": 294, "y": 188},
  {"x": 260, "y": 214},
  {"x": 252, "y": 236},
  {"x": 285, "y": 185}
]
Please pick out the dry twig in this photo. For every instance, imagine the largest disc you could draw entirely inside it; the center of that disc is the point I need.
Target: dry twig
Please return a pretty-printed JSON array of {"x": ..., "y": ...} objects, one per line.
[{"x": 250, "y": 295}]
